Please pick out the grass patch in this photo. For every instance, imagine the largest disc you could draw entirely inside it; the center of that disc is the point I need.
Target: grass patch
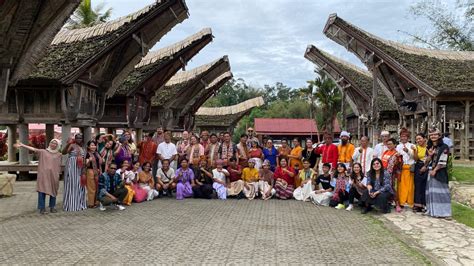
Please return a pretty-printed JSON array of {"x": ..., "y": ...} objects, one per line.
[
  {"x": 464, "y": 174},
  {"x": 463, "y": 214}
]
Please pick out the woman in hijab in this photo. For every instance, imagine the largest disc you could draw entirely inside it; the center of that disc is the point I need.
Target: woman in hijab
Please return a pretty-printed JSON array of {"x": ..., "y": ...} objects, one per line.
[
  {"x": 49, "y": 167},
  {"x": 74, "y": 176}
]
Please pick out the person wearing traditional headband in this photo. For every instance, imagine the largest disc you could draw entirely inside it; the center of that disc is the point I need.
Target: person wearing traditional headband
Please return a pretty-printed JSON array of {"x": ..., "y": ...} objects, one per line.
[
  {"x": 406, "y": 183},
  {"x": 74, "y": 175},
  {"x": 49, "y": 167},
  {"x": 438, "y": 198}
]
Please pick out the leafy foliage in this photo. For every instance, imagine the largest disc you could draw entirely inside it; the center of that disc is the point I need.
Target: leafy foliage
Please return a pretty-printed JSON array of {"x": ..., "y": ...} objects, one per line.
[{"x": 86, "y": 16}]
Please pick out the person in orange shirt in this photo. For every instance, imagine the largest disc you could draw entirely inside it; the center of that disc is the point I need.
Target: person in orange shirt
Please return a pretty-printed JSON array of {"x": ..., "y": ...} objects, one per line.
[{"x": 345, "y": 149}]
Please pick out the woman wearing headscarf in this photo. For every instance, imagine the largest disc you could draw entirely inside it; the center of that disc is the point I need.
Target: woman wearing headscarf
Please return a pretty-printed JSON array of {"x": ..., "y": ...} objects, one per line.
[
  {"x": 74, "y": 175},
  {"x": 49, "y": 167},
  {"x": 122, "y": 151},
  {"x": 438, "y": 198}
]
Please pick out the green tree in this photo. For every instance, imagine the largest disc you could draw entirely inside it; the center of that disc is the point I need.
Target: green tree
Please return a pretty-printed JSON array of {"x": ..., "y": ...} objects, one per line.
[
  {"x": 323, "y": 91},
  {"x": 452, "y": 30},
  {"x": 86, "y": 16},
  {"x": 233, "y": 92}
]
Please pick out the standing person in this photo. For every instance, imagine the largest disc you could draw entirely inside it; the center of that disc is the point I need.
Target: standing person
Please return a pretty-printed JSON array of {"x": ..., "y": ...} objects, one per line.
[
  {"x": 438, "y": 198},
  {"x": 420, "y": 177},
  {"x": 380, "y": 148},
  {"x": 251, "y": 137},
  {"x": 221, "y": 137},
  {"x": 243, "y": 151},
  {"x": 219, "y": 176},
  {"x": 93, "y": 163},
  {"x": 158, "y": 138},
  {"x": 147, "y": 149},
  {"x": 122, "y": 151},
  {"x": 203, "y": 180},
  {"x": 212, "y": 151},
  {"x": 283, "y": 151},
  {"x": 358, "y": 184},
  {"x": 340, "y": 192},
  {"x": 167, "y": 151},
  {"x": 74, "y": 176},
  {"x": 250, "y": 178},
  {"x": 165, "y": 179},
  {"x": 328, "y": 151},
  {"x": 345, "y": 150},
  {"x": 107, "y": 152},
  {"x": 306, "y": 176},
  {"x": 182, "y": 146},
  {"x": 309, "y": 153},
  {"x": 195, "y": 152},
  {"x": 295, "y": 158},
  {"x": 146, "y": 182},
  {"x": 255, "y": 153},
  {"x": 379, "y": 189},
  {"x": 266, "y": 181},
  {"x": 111, "y": 189},
  {"x": 235, "y": 184},
  {"x": 49, "y": 166},
  {"x": 205, "y": 139},
  {"x": 270, "y": 153},
  {"x": 284, "y": 180},
  {"x": 392, "y": 164},
  {"x": 131, "y": 145},
  {"x": 100, "y": 140},
  {"x": 227, "y": 149},
  {"x": 184, "y": 181},
  {"x": 448, "y": 141},
  {"x": 406, "y": 183},
  {"x": 324, "y": 187},
  {"x": 363, "y": 155}
]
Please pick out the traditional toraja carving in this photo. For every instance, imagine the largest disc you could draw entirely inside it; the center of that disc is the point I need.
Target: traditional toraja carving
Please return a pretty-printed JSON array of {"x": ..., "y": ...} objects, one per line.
[
  {"x": 430, "y": 87},
  {"x": 153, "y": 71},
  {"x": 28, "y": 26},
  {"x": 218, "y": 119}
]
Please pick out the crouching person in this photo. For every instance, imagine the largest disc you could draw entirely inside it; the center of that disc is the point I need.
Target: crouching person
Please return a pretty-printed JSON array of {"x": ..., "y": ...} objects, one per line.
[
  {"x": 111, "y": 189},
  {"x": 324, "y": 187},
  {"x": 379, "y": 189},
  {"x": 306, "y": 176},
  {"x": 266, "y": 182}
]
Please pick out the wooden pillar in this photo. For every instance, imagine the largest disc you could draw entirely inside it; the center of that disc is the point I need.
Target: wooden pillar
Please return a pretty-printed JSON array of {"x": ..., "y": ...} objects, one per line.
[
  {"x": 343, "y": 110},
  {"x": 11, "y": 140},
  {"x": 23, "y": 133},
  {"x": 49, "y": 133},
  {"x": 466, "y": 130},
  {"x": 86, "y": 134},
  {"x": 412, "y": 130},
  {"x": 453, "y": 137},
  {"x": 65, "y": 135},
  {"x": 139, "y": 134}
]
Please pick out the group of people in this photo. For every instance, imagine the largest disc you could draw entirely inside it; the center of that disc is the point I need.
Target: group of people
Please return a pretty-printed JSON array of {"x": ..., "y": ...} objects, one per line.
[{"x": 116, "y": 171}]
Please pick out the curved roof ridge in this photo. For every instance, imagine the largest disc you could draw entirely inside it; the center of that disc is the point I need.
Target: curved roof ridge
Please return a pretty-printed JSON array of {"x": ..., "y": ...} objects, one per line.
[
  {"x": 185, "y": 76},
  {"x": 232, "y": 109}
]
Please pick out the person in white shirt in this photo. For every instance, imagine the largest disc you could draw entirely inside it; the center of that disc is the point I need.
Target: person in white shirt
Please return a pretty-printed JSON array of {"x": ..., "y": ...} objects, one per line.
[
  {"x": 167, "y": 150},
  {"x": 219, "y": 176},
  {"x": 165, "y": 179},
  {"x": 381, "y": 147},
  {"x": 406, "y": 183},
  {"x": 363, "y": 155}
]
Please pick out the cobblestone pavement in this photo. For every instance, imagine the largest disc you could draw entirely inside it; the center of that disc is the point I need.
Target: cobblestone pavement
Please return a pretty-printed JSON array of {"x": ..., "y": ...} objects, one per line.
[
  {"x": 451, "y": 242},
  {"x": 196, "y": 231}
]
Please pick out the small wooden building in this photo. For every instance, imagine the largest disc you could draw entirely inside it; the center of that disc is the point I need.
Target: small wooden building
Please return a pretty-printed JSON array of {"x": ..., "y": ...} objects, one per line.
[
  {"x": 357, "y": 86},
  {"x": 224, "y": 119},
  {"x": 174, "y": 105},
  {"x": 429, "y": 87},
  {"x": 286, "y": 128}
]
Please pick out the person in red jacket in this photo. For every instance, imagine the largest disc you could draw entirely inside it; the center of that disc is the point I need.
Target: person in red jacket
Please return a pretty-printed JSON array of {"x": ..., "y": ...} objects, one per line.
[{"x": 328, "y": 152}]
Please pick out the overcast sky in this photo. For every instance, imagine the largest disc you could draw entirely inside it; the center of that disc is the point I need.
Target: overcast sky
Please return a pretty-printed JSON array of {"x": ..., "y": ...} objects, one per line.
[{"x": 266, "y": 39}]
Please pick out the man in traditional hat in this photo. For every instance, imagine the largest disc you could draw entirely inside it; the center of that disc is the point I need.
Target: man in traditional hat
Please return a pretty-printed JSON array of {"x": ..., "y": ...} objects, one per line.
[
  {"x": 406, "y": 183},
  {"x": 345, "y": 149},
  {"x": 382, "y": 147}
]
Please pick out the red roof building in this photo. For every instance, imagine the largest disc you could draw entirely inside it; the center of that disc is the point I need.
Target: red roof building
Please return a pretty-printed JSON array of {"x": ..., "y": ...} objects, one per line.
[{"x": 285, "y": 126}]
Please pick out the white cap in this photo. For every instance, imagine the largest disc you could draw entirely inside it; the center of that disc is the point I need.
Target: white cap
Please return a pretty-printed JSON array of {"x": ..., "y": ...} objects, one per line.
[
  {"x": 345, "y": 134},
  {"x": 384, "y": 133}
]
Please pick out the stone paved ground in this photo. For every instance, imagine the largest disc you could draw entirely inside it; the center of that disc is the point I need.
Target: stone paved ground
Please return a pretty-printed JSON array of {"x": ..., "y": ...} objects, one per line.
[{"x": 196, "y": 231}]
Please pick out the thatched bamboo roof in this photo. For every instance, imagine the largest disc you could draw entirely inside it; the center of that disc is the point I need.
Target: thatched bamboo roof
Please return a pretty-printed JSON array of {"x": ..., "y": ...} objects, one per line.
[
  {"x": 73, "y": 51},
  {"x": 437, "y": 72},
  {"x": 184, "y": 85},
  {"x": 164, "y": 62},
  {"x": 226, "y": 116},
  {"x": 360, "y": 80},
  {"x": 27, "y": 29}
]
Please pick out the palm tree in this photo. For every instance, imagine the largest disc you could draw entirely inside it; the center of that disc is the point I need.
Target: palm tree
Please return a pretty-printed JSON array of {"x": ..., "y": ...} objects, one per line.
[
  {"x": 324, "y": 92},
  {"x": 85, "y": 16}
]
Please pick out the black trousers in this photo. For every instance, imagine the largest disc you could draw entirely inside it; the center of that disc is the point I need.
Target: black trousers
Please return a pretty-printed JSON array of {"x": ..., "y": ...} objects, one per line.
[
  {"x": 343, "y": 196},
  {"x": 381, "y": 201},
  {"x": 420, "y": 184},
  {"x": 353, "y": 194},
  {"x": 119, "y": 193},
  {"x": 203, "y": 192}
]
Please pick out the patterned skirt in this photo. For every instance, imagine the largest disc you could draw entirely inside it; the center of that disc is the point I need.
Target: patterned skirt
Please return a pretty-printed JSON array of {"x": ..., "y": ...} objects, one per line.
[
  {"x": 438, "y": 198},
  {"x": 283, "y": 191}
]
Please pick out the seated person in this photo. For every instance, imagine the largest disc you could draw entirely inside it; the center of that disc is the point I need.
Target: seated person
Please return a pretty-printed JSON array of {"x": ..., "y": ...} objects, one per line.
[
  {"x": 219, "y": 176},
  {"x": 379, "y": 189},
  {"x": 184, "y": 181},
  {"x": 306, "y": 176},
  {"x": 266, "y": 182},
  {"x": 110, "y": 189},
  {"x": 324, "y": 187},
  {"x": 235, "y": 184},
  {"x": 358, "y": 184},
  {"x": 250, "y": 178},
  {"x": 341, "y": 190},
  {"x": 165, "y": 176},
  {"x": 203, "y": 180},
  {"x": 145, "y": 181},
  {"x": 284, "y": 180}
]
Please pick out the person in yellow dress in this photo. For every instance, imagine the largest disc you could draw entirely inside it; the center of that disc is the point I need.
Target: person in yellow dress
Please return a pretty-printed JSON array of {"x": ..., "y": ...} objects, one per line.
[
  {"x": 250, "y": 178},
  {"x": 295, "y": 159}
]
